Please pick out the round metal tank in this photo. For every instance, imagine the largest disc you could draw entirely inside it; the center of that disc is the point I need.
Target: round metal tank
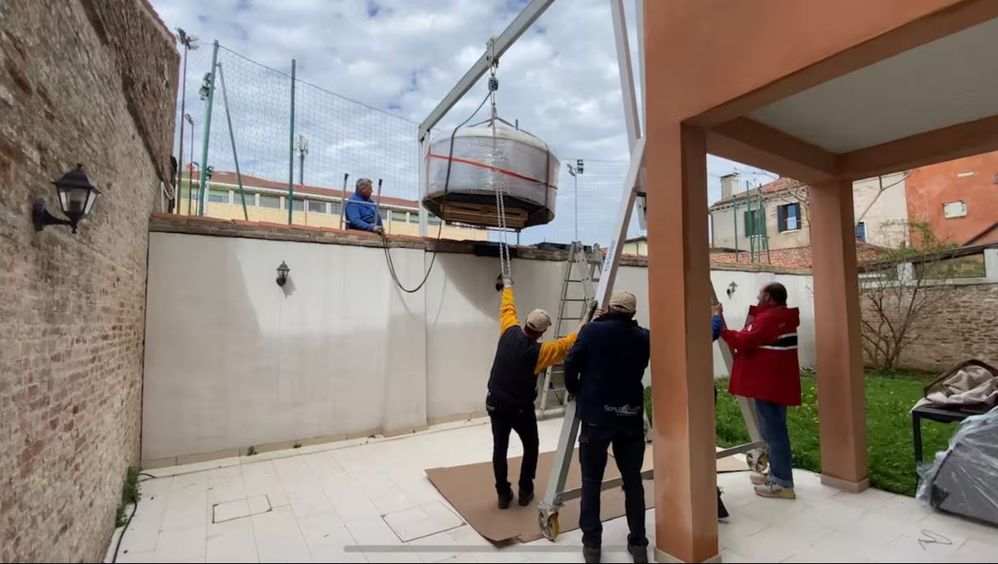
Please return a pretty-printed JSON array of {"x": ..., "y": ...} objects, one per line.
[{"x": 481, "y": 158}]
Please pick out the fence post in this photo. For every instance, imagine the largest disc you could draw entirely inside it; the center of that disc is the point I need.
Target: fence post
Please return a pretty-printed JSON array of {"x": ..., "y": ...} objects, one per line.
[
  {"x": 202, "y": 177},
  {"x": 232, "y": 140},
  {"x": 291, "y": 151}
]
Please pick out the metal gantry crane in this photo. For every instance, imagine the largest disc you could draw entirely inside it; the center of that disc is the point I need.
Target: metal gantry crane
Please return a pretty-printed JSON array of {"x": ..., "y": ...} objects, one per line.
[{"x": 632, "y": 194}]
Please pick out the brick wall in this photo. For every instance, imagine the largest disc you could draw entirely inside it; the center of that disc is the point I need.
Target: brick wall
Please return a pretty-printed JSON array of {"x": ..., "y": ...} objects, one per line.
[
  {"x": 965, "y": 328},
  {"x": 92, "y": 82}
]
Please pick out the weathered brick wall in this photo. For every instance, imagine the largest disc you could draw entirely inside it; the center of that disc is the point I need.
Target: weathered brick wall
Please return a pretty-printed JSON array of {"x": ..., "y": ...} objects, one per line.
[
  {"x": 965, "y": 328},
  {"x": 92, "y": 82}
]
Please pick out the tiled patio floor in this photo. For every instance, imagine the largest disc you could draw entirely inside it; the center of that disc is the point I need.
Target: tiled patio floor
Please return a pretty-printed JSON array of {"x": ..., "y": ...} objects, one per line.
[{"x": 313, "y": 503}]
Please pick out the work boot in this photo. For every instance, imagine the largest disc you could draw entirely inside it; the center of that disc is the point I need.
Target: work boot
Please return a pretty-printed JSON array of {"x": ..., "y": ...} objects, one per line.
[
  {"x": 505, "y": 498},
  {"x": 592, "y": 555},
  {"x": 638, "y": 553},
  {"x": 525, "y": 498}
]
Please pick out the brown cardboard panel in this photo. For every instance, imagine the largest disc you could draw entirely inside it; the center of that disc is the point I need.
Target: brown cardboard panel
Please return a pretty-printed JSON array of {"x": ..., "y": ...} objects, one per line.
[{"x": 470, "y": 490}]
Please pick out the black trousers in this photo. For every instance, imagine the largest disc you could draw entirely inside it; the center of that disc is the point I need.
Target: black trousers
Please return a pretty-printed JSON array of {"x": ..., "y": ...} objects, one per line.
[
  {"x": 524, "y": 422},
  {"x": 629, "y": 452}
]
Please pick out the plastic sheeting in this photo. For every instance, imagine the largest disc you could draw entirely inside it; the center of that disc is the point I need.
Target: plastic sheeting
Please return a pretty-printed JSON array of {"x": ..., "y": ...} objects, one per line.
[
  {"x": 963, "y": 479},
  {"x": 482, "y": 158}
]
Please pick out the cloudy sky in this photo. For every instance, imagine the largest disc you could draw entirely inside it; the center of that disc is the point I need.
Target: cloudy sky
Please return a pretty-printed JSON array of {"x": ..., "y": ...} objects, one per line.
[{"x": 401, "y": 57}]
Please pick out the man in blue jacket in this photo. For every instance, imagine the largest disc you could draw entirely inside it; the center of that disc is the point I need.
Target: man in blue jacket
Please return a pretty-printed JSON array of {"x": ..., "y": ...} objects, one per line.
[
  {"x": 361, "y": 211},
  {"x": 604, "y": 371}
]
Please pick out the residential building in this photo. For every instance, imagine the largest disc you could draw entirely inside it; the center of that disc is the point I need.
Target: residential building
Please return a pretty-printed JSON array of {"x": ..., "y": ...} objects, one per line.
[
  {"x": 774, "y": 216},
  {"x": 957, "y": 199},
  {"x": 267, "y": 201}
]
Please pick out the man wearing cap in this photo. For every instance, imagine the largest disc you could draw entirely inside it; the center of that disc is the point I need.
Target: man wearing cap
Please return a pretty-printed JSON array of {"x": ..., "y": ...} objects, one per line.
[
  {"x": 520, "y": 357},
  {"x": 604, "y": 371}
]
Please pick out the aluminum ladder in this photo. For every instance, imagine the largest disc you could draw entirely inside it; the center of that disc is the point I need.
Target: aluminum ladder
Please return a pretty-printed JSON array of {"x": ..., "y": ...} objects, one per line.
[{"x": 578, "y": 290}]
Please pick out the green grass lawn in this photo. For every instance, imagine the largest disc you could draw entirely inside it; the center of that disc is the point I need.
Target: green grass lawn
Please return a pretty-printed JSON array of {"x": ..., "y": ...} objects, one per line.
[{"x": 888, "y": 400}]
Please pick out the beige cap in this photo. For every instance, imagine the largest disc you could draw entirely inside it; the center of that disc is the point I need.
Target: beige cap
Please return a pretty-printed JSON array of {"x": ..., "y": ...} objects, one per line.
[
  {"x": 538, "y": 320},
  {"x": 624, "y": 302}
]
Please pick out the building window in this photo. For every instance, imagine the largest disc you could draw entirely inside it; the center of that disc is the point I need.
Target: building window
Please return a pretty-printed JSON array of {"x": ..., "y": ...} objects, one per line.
[
  {"x": 335, "y": 207},
  {"x": 861, "y": 232},
  {"x": 413, "y": 217},
  {"x": 218, "y": 196},
  {"x": 398, "y": 216},
  {"x": 316, "y": 207},
  {"x": 788, "y": 217},
  {"x": 754, "y": 223},
  {"x": 434, "y": 220},
  {"x": 298, "y": 205},
  {"x": 267, "y": 201},
  {"x": 953, "y": 210},
  {"x": 237, "y": 198}
]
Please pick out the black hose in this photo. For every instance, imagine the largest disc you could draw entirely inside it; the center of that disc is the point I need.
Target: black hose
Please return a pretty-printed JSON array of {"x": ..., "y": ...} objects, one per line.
[
  {"x": 440, "y": 229},
  {"x": 135, "y": 507}
]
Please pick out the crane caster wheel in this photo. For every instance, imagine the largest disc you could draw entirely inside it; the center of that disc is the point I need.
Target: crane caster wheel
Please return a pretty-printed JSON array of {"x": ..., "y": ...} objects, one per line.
[
  {"x": 549, "y": 526},
  {"x": 758, "y": 460}
]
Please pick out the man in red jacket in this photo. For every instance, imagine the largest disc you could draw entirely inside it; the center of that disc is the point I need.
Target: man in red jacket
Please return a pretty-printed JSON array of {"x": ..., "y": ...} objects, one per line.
[{"x": 766, "y": 370}]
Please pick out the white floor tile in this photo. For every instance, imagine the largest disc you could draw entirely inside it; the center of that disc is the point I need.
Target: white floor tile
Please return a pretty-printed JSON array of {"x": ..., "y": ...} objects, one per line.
[
  {"x": 422, "y": 521},
  {"x": 126, "y": 557},
  {"x": 230, "y": 510},
  {"x": 260, "y": 478},
  {"x": 259, "y": 504},
  {"x": 232, "y": 541},
  {"x": 181, "y": 545},
  {"x": 372, "y": 532},
  {"x": 278, "y": 538},
  {"x": 323, "y": 501}
]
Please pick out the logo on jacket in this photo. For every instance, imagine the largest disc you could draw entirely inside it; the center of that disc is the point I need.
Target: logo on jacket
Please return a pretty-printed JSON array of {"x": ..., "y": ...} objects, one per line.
[{"x": 624, "y": 410}]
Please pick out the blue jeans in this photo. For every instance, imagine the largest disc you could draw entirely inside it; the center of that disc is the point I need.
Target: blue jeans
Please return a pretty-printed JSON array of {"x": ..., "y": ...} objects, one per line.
[{"x": 773, "y": 427}]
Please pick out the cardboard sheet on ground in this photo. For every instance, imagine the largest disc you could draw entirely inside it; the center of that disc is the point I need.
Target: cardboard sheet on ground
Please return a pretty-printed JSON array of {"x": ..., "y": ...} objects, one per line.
[{"x": 470, "y": 490}]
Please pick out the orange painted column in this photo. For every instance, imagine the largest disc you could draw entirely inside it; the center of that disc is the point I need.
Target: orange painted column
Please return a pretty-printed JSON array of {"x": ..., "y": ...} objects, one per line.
[
  {"x": 837, "y": 324},
  {"x": 681, "y": 359}
]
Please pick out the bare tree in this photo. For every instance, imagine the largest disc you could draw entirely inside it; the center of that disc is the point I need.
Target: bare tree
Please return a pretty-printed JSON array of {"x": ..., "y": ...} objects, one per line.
[{"x": 901, "y": 291}]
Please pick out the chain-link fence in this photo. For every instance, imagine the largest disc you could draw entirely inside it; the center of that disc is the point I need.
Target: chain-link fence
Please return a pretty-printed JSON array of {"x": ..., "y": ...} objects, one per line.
[{"x": 247, "y": 108}]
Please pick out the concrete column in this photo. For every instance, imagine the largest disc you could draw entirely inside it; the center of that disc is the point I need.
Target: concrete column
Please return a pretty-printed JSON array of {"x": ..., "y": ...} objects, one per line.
[
  {"x": 679, "y": 289},
  {"x": 837, "y": 324}
]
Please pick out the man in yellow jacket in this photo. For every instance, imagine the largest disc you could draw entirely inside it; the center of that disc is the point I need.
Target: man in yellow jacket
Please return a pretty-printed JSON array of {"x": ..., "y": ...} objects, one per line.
[{"x": 520, "y": 357}]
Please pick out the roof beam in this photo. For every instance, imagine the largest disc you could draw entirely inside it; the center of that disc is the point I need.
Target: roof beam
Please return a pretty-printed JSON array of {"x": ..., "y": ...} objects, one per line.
[
  {"x": 750, "y": 142},
  {"x": 946, "y": 144}
]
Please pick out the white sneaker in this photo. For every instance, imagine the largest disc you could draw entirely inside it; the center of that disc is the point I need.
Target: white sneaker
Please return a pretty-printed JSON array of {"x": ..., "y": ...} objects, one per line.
[
  {"x": 758, "y": 479},
  {"x": 774, "y": 491}
]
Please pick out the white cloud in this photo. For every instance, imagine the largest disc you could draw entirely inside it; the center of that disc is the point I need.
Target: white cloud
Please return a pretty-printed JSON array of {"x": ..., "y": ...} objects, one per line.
[{"x": 559, "y": 80}]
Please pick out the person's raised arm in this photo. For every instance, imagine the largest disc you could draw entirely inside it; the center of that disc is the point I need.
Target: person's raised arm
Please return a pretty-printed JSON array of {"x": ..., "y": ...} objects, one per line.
[{"x": 507, "y": 307}]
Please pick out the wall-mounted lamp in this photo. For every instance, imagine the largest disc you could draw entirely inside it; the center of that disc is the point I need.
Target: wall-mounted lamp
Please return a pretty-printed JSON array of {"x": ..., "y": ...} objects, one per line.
[
  {"x": 731, "y": 289},
  {"x": 282, "y": 274},
  {"x": 76, "y": 194}
]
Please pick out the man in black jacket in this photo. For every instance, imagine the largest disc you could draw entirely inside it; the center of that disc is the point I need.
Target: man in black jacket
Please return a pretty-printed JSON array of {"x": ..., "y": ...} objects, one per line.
[{"x": 604, "y": 371}]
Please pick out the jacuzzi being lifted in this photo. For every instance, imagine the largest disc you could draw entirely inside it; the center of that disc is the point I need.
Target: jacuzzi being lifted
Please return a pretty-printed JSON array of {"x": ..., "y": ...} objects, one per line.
[{"x": 467, "y": 167}]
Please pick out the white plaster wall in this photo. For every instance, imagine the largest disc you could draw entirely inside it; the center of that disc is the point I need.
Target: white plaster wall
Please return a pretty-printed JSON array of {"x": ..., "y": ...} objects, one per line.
[{"x": 232, "y": 361}]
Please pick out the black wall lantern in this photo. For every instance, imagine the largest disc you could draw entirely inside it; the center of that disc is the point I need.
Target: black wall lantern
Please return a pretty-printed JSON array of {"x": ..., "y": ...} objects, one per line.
[
  {"x": 76, "y": 194},
  {"x": 282, "y": 274}
]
